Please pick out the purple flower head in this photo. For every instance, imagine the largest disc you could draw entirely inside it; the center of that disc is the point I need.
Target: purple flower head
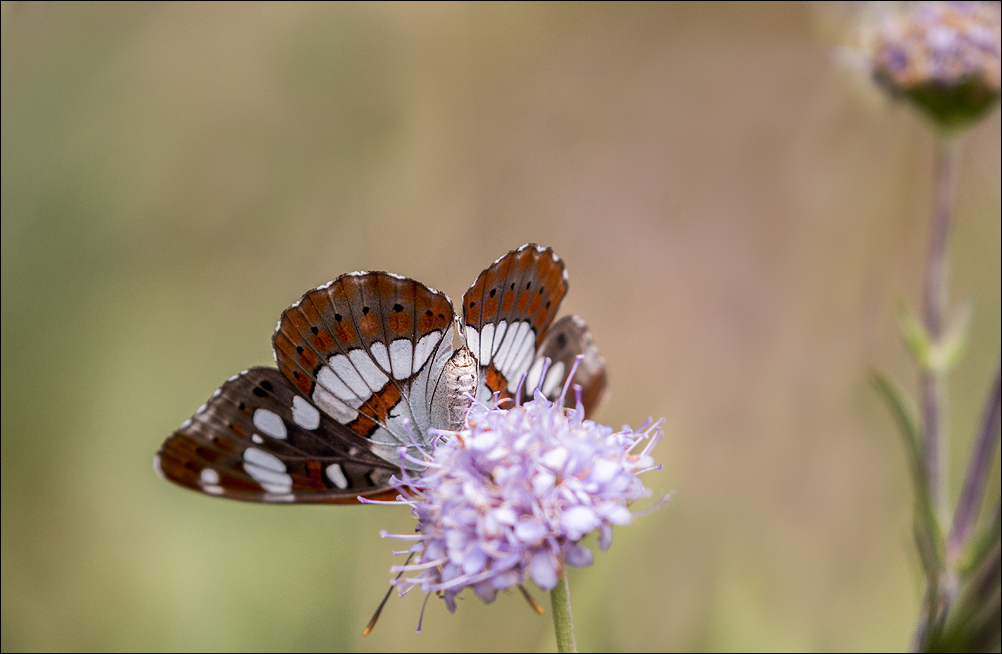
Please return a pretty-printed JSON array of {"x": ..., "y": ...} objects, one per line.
[
  {"x": 510, "y": 495},
  {"x": 945, "y": 57},
  {"x": 943, "y": 42}
]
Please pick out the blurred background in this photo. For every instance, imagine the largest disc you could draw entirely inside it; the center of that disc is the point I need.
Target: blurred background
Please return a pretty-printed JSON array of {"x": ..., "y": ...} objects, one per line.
[{"x": 739, "y": 216}]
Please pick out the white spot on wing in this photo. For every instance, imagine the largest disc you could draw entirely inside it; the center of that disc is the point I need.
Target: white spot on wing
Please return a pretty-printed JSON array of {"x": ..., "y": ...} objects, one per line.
[
  {"x": 499, "y": 337},
  {"x": 424, "y": 349},
  {"x": 473, "y": 340},
  {"x": 263, "y": 459},
  {"x": 336, "y": 475},
  {"x": 513, "y": 348},
  {"x": 344, "y": 369},
  {"x": 554, "y": 379},
  {"x": 522, "y": 358},
  {"x": 305, "y": 414},
  {"x": 332, "y": 384},
  {"x": 332, "y": 406},
  {"x": 209, "y": 477},
  {"x": 532, "y": 379},
  {"x": 401, "y": 355},
  {"x": 486, "y": 345},
  {"x": 379, "y": 353},
  {"x": 157, "y": 468},
  {"x": 369, "y": 371},
  {"x": 267, "y": 470},
  {"x": 504, "y": 350},
  {"x": 257, "y": 439},
  {"x": 270, "y": 423}
]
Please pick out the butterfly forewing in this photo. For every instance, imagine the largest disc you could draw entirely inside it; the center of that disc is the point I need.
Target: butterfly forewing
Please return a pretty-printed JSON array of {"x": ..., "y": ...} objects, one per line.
[
  {"x": 506, "y": 313},
  {"x": 368, "y": 349},
  {"x": 258, "y": 439}
]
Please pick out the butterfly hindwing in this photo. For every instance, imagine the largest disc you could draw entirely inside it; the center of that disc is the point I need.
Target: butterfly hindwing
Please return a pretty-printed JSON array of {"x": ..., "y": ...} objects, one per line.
[
  {"x": 368, "y": 349},
  {"x": 258, "y": 439},
  {"x": 506, "y": 313},
  {"x": 567, "y": 339}
]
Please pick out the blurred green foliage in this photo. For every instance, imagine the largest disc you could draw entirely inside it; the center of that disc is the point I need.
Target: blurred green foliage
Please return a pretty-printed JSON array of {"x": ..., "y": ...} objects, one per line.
[{"x": 737, "y": 221}]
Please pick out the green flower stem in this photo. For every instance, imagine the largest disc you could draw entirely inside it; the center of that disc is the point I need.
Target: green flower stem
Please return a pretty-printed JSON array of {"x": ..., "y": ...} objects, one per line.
[
  {"x": 563, "y": 622},
  {"x": 933, "y": 384}
]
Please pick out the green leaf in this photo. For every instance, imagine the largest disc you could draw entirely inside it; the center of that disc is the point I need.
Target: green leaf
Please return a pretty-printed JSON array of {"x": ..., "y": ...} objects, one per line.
[
  {"x": 947, "y": 352},
  {"x": 907, "y": 423},
  {"x": 916, "y": 337},
  {"x": 932, "y": 355},
  {"x": 929, "y": 540},
  {"x": 928, "y": 536}
]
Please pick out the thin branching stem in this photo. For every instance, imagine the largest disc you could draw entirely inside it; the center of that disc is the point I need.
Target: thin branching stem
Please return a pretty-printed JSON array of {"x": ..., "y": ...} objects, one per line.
[
  {"x": 973, "y": 492},
  {"x": 933, "y": 390}
]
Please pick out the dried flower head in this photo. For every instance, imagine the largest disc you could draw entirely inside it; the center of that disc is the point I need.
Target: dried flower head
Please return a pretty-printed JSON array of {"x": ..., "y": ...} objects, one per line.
[
  {"x": 509, "y": 497},
  {"x": 943, "y": 56}
]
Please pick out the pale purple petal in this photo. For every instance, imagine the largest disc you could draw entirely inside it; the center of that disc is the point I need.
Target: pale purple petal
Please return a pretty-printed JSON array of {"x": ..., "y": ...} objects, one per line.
[
  {"x": 578, "y": 521},
  {"x": 486, "y": 591},
  {"x": 579, "y": 557},
  {"x": 603, "y": 470},
  {"x": 605, "y": 537},
  {"x": 530, "y": 531},
  {"x": 543, "y": 570},
  {"x": 474, "y": 561},
  {"x": 619, "y": 516}
]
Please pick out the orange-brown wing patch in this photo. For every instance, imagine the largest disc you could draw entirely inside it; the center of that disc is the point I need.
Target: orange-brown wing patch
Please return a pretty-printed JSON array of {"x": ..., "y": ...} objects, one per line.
[
  {"x": 433, "y": 311},
  {"x": 375, "y": 410},
  {"x": 496, "y": 381}
]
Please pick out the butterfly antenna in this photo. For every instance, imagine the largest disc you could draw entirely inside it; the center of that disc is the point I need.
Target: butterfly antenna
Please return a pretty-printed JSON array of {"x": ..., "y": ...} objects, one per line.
[
  {"x": 528, "y": 598},
  {"x": 379, "y": 609}
]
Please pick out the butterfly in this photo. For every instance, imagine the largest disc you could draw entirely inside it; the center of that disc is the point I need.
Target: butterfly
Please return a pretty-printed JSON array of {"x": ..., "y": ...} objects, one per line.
[{"x": 365, "y": 366}]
